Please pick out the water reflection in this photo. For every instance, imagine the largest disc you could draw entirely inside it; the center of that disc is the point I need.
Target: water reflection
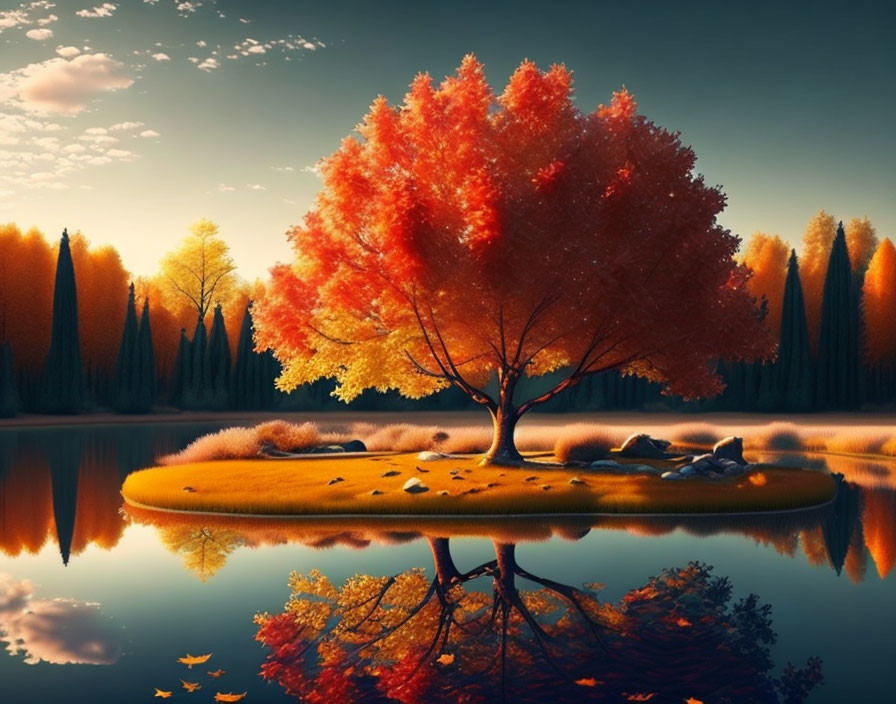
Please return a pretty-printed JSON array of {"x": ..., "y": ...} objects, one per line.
[
  {"x": 411, "y": 639},
  {"x": 63, "y": 484}
]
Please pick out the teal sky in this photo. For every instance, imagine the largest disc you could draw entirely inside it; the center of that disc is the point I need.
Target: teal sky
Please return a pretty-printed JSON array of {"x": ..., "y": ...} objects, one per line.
[{"x": 130, "y": 120}]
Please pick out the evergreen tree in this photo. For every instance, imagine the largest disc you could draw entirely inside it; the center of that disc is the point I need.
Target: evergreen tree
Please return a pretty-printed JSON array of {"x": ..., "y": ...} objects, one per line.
[
  {"x": 196, "y": 392},
  {"x": 247, "y": 369},
  {"x": 793, "y": 366},
  {"x": 9, "y": 401},
  {"x": 146, "y": 386},
  {"x": 127, "y": 367},
  {"x": 63, "y": 379},
  {"x": 837, "y": 380},
  {"x": 180, "y": 383},
  {"x": 218, "y": 363}
]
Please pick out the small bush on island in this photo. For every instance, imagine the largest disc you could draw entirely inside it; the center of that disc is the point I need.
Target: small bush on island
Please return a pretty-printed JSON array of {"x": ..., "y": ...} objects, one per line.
[{"x": 585, "y": 443}]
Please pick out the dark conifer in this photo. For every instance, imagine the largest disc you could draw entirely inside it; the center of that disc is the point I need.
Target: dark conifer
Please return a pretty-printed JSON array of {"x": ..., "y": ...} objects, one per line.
[
  {"x": 195, "y": 394},
  {"x": 218, "y": 363},
  {"x": 146, "y": 387},
  {"x": 180, "y": 382},
  {"x": 9, "y": 398},
  {"x": 127, "y": 367},
  {"x": 793, "y": 367}
]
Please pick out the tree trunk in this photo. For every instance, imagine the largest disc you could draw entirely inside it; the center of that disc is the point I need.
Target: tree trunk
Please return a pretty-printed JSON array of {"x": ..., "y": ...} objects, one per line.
[
  {"x": 446, "y": 571},
  {"x": 503, "y": 450},
  {"x": 506, "y": 559}
]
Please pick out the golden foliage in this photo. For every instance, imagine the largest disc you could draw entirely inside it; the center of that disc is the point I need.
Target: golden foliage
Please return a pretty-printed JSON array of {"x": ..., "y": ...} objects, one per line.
[
  {"x": 817, "y": 243},
  {"x": 879, "y": 306},
  {"x": 861, "y": 242},
  {"x": 767, "y": 256}
]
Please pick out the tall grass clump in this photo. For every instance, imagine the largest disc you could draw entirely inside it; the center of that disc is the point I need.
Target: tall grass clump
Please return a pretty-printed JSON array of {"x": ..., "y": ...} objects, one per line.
[
  {"x": 781, "y": 437},
  {"x": 404, "y": 437},
  {"x": 243, "y": 443},
  {"x": 702, "y": 435},
  {"x": 585, "y": 443},
  {"x": 858, "y": 442}
]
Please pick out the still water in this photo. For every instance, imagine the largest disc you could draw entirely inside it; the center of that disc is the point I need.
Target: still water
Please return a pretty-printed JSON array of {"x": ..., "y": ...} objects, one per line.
[{"x": 98, "y": 604}]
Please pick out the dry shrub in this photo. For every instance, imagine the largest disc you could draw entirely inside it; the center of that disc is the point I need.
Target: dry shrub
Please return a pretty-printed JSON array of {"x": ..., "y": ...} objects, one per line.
[
  {"x": 694, "y": 435},
  {"x": 227, "y": 444},
  {"x": 585, "y": 443},
  {"x": 288, "y": 437},
  {"x": 857, "y": 442},
  {"x": 403, "y": 437},
  {"x": 537, "y": 438},
  {"x": 889, "y": 447},
  {"x": 467, "y": 440},
  {"x": 783, "y": 437}
]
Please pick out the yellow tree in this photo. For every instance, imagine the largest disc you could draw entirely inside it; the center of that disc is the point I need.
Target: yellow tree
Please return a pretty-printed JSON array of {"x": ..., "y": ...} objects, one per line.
[
  {"x": 201, "y": 271},
  {"x": 861, "y": 241},
  {"x": 767, "y": 256},
  {"x": 817, "y": 244},
  {"x": 879, "y": 306}
]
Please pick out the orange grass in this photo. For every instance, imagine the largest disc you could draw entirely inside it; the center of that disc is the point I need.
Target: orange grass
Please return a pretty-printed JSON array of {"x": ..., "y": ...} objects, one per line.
[
  {"x": 300, "y": 487},
  {"x": 584, "y": 442}
]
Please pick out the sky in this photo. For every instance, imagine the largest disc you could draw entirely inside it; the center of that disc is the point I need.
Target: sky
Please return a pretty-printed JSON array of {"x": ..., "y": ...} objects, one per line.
[{"x": 130, "y": 120}]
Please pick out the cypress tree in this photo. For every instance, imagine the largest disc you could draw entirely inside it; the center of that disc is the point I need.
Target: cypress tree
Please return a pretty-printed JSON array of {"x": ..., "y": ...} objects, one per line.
[
  {"x": 218, "y": 363},
  {"x": 63, "y": 379},
  {"x": 197, "y": 390},
  {"x": 9, "y": 401},
  {"x": 793, "y": 366},
  {"x": 180, "y": 382},
  {"x": 247, "y": 367},
  {"x": 836, "y": 384},
  {"x": 146, "y": 383},
  {"x": 127, "y": 367}
]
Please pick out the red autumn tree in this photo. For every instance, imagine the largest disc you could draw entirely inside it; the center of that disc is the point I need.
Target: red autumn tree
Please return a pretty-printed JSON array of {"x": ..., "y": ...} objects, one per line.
[
  {"x": 879, "y": 307},
  {"x": 464, "y": 238}
]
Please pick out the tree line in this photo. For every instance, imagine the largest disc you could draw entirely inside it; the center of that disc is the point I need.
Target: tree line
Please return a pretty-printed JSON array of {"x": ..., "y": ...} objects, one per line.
[{"x": 72, "y": 340}]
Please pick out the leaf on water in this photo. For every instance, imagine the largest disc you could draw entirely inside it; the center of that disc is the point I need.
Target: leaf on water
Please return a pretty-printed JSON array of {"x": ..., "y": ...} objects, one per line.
[
  {"x": 445, "y": 658},
  {"x": 161, "y": 694},
  {"x": 229, "y": 697},
  {"x": 216, "y": 673},
  {"x": 191, "y": 686},
  {"x": 190, "y": 660},
  {"x": 587, "y": 682}
]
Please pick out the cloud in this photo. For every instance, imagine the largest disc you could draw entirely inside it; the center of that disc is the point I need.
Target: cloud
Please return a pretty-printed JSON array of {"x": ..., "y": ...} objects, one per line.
[
  {"x": 66, "y": 86},
  {"x": 39, "y": 34},
  {"x": 283, "y": 169},
  {"x": 188, "y": 8},
  {"x": 256, "y": 187},
  {"x": 126, "y": 126},
  {"x": 67, "y": 52},
  {"x": 161, "y": 57},
  {"x": 74, "y": 148},
  {"x": 121, "y": 154},
  {"x": 149, "y": 134},
  {"x": 104, "y": 10},
  {"x": 56, "y": 631},
  {"x": 12, "y": 18},
  {"x": 210, "y": 64},
  {"x": 202, "y": 42},
  {"x": 96, "y": 130},
  {"x": 225, "y": 188}
]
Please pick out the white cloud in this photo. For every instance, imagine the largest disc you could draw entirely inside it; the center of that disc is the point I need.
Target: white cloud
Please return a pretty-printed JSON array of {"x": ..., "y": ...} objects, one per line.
[
  {"x": 12, "y": 18},
  {"x": 98, "y": 139},
  {"x": 61, "y": 86},
  {"x": 188, "y": 8},
  {"x": 210, "y": 64},
  {"x": 283, "y": 169},
  {"x": 96, "y": 130},
  {"x": 104, "y": 10},
  {"x": 126, "y": 126},
  {"x": 256, "y": 49},
  {"x": 149, "y": 134},
  {"x": 75, "y": 148},
  {"x": 161, "y": 57},
  {"x": 44, "y": 21},
  {"x": 67, "y": 52},
  {"x": 39, "y": 34},
  {"x": 256, "y": 187},
  {"x": 121, "y": 154},
  {"x": 202, "y": 42},
  {"x": 225, "y": 189}
]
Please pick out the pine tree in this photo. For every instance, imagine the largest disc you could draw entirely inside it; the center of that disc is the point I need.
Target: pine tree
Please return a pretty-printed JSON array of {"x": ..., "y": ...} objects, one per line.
[
  {"x": 127, "y": 367},
  {"x": 180, "y": 383},
  {"x": 146, "y": 386},
  {"x": 218, "y": 363},
  {"x": 63, "y": 379},
  {"x": 9, "y": 401},
  {"x": 247, "y": 367},
  {"x": 196, "y": 392},
  {"x": 837, "y": 381},
  {"x": 793, "y": 366}
]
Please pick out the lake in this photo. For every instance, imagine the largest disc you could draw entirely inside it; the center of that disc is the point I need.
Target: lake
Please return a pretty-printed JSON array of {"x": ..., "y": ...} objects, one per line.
[{"x": 97, "y": 604}]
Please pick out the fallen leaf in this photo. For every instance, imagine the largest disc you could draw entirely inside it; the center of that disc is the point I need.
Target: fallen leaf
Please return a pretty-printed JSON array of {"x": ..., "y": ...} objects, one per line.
[
  {"x": 587, "y": 682},
  {"x": 161, "y": 694},
  {"x": 216, "y": 673},
  {"x": 445, "y": 659},
  {"x": 692, "y": 700},
  {"x": 191, "y": 686},
  {"x": 683, "y": 623},
  {"x": 191, "y": 660},
  {"x": 229, "y": 697},
  {"x": 639, "y": 696}
]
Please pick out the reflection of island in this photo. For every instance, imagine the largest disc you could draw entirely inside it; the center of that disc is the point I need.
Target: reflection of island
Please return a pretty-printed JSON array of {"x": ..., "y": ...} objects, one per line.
[
  {"x": 860, "y": 522},
  {"x": 57, "y": 631},
  {"x": 411, "y": 639}
]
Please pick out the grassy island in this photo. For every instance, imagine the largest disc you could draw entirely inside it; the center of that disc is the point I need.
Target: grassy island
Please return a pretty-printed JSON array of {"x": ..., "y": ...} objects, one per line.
[{"x": 373, "y": 484}]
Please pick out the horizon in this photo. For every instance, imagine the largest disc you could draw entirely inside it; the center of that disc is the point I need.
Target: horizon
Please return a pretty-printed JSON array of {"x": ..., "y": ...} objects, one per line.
[{"x": 112, "y": 119}]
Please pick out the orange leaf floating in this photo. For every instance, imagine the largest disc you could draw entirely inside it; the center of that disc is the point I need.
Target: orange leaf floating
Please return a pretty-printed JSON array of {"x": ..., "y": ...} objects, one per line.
[
  {"x": 587, "y": 682},
  {"x": 445, "y": 659},
  {"x": 191, "y": 660},
  {"x": 216, "y": 673},
  {"x": 692, "y": 700},
  {"x": 161, "y": 694},
  {"x": 682, "y": 623},
  {"x": 639, "y": 696},
  {"x": 229, "y": 697},
  {"x": 191, "y": 686}
]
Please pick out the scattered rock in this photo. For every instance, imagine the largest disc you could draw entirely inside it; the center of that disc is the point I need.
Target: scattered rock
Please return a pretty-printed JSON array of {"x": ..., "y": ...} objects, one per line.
[
  {"x": 430, "y": 456},
  {"x": 414, "y": 486},
  {"x": 189, "y": 490},
  {"x": 420, "y": 469},
  {"x": 375, "y": 492},
  {"x": 639, "y": 469},
  {"x": 454, "y": 471},
  {"x": 491, "y": 484},
  {"x": 730, "y": 448},
  {"x": 671, "y": 475},
  {"x": 443, "y": 492},
  {"x": 576, "y": 480},
  {"x": 531, "y": 479},
  {"x": 459, "y": 478},
  {"x": 335, "y": 480},
  {"x": 354, "y": 446},
  {"x": 468, "y": 471},
  {"x": 325, "y": 450},
  {"x": 390, "y": 473},
  {"x": 687, "y": 470},
  {"x": 642, "y": 445},
  {"x": 474, "y": 490},
  {"x": 545, "y": 487},
  {"x": 604, "y": 464},
  {"x": 501, "y": 474}
]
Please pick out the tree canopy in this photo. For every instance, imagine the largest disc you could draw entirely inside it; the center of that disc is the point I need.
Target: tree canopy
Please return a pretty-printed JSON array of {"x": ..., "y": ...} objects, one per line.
[{"x": 465, "y": 236}]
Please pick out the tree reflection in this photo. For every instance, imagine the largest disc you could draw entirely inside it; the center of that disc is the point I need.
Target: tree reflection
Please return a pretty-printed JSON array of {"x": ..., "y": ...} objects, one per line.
[
  {"x": 452, "y": 638},
  {"x": 204, "y": 550}
]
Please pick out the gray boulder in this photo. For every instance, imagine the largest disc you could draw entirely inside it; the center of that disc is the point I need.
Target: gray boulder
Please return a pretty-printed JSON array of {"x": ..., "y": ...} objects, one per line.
[
  {"x": 415, "y": 486},
  {"x": 730, "y": 448},
  {"x": 642, "y": 445},
  {"x": 354, "y": 446},
  {"x": 604, "y": 464},
  {"x": 671, "y": 476}
]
